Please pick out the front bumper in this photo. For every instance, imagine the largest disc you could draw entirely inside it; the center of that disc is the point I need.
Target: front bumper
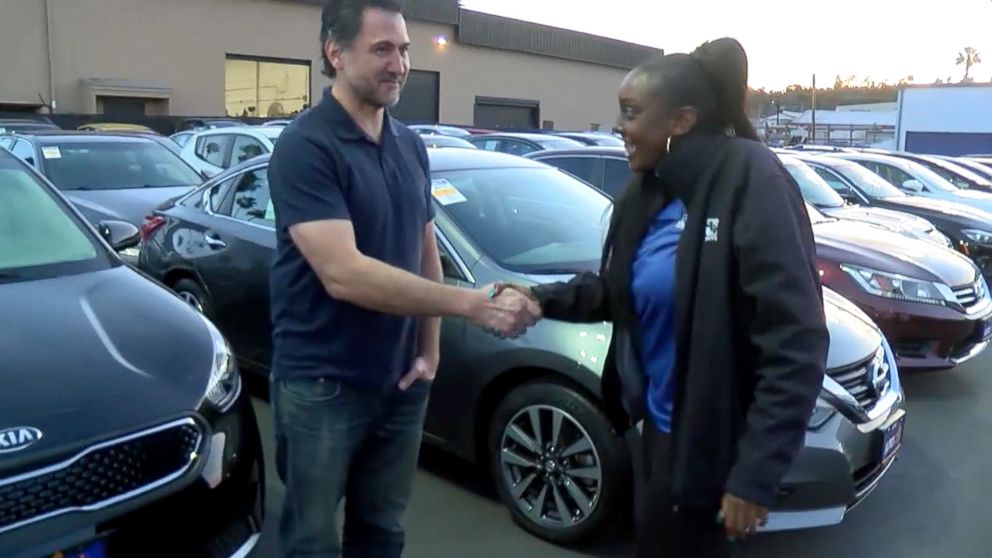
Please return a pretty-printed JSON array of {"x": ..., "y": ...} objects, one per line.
[
  {"x": 214, "y": 510},
  {"x": 925, "y": 336},
  {"x": 842, "y": 461}
]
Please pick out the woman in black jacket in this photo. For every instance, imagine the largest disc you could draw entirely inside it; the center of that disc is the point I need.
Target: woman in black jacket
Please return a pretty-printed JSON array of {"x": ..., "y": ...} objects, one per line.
[{"x": 708, "y": 275}]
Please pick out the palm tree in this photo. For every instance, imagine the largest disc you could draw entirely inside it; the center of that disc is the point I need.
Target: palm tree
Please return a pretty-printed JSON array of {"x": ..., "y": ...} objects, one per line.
[{"x": 969, "y": 58}]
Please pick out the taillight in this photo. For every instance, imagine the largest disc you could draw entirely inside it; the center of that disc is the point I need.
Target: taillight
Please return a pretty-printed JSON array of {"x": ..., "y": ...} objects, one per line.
[{"x": 151, "y": 223}]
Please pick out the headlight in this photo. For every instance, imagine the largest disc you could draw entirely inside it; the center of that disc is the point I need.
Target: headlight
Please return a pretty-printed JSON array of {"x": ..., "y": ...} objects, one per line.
[
  {"x": 225, "y": 382},
  {"x": 891, "y": 285},
  {"x": 821, "y": 414},
  {"x": 977, "y": 235}
]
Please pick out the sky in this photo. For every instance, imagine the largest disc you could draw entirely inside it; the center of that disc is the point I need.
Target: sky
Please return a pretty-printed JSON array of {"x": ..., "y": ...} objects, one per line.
[{"x": 787, "y": 41}]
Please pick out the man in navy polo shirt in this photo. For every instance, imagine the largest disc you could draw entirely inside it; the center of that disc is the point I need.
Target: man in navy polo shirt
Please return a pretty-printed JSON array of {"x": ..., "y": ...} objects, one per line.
[{"x": 357, "y": 295}]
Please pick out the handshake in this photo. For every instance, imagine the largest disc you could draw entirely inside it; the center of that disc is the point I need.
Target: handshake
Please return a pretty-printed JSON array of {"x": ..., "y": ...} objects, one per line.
[{"x": 505, "y": 310}]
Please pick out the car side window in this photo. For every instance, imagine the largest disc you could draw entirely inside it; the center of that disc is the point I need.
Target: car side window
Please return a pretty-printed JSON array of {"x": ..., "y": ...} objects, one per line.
[
  {"x": 448, "y": 265},
  {"x": 617, "y": 176},
  {"x": 582, "y": 167},
  {"x": 245, "y": 148},
  {"x": 514, "y": 147},
  {"x": 214, "y": 148},
  {"x": 895, "y": 176},
  {"x": 6, "y": 143},
  {"x": 23, "y": 151},
  {"x": 251, "y": 198},
  {"x": 488, "y": 145}
]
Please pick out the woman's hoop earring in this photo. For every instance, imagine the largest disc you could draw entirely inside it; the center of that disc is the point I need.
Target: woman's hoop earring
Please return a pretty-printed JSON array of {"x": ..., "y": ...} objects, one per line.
[{"x": 668, "y": 145}]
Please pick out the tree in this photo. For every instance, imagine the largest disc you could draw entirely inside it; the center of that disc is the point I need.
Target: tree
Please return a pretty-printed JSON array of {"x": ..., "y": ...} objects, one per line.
[{"x": 970, "y": 57}]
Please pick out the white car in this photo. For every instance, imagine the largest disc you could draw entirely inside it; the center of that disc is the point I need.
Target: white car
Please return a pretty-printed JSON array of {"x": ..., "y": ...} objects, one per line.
[{"x": 212, "y": 151}]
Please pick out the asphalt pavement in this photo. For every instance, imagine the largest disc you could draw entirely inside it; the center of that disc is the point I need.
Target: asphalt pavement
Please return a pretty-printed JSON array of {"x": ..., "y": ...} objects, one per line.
[{"x": 935, "y": 501}]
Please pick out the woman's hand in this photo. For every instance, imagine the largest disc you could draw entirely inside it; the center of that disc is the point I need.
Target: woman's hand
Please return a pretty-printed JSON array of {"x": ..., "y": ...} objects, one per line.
[{"x": 740, "y": 517}]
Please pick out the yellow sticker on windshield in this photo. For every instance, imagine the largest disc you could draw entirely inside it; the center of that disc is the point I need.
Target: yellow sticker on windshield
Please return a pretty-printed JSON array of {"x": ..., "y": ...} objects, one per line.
[
  {"x": 51, "y": 152},
  {"x": 445, "y": 192}
]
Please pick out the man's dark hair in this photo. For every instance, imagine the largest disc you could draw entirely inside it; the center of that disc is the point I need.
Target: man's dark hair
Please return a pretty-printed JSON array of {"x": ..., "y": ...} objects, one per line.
[{"x": 341, "y": 21}]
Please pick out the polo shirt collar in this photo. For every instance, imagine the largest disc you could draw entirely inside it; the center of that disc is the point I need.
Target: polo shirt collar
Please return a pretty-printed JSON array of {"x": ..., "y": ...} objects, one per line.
[{"x": 342, "y": 123}]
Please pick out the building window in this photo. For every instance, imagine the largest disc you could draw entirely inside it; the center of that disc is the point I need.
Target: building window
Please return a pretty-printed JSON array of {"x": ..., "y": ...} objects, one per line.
[{"x": 265, "y": 87}]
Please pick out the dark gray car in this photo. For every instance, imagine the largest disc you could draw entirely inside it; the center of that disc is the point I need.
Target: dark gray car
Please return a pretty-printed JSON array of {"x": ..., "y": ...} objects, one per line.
[
  {"x": 528, "y": 409},
  {"x": 108, "y": 175}
]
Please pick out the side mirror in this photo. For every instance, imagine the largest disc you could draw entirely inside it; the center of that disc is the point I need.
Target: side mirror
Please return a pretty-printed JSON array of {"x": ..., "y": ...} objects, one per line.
[
  {"x": 121, "y": 235},
  {"x": 913, "y": 185}
]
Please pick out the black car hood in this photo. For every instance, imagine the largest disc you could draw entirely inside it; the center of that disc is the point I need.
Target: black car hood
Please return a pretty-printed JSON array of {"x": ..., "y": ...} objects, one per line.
[
  {"x": 942, "y": 209},
  {"x": 131, "y": 205},
  {"x": 93, "y": 355}
]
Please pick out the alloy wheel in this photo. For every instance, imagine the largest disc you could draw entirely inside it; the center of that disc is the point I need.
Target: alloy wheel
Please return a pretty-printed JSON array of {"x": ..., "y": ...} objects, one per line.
[{"x": 550, "y": 467}]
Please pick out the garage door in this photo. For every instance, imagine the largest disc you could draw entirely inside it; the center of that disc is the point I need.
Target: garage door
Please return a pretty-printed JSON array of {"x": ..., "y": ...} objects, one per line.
[
  {"x": 940, "y": 143},
  {"x": 419, "y": 101},
  {"x": 518, "y": 114}
]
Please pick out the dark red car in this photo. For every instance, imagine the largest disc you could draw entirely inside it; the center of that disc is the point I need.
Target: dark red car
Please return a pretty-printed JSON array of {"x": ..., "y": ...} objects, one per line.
[{"x": 932, "y": 303}]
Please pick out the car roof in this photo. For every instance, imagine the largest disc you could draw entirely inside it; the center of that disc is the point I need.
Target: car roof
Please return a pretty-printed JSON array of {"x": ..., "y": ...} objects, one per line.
[
  {"x": 519, "y": 135},
  {"x": 78, "y": 136},
  {"x": 441, "y": 160},
  {"x": 594, "y": 150},
  {"x": 877, "y": 157}
]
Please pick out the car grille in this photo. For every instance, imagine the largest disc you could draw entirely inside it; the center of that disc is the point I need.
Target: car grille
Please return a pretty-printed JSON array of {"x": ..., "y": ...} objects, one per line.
[
  {"x": 970, "y": 296},
  {"x": 101, "y": 475},
  {"x": 866, "y": 381}
]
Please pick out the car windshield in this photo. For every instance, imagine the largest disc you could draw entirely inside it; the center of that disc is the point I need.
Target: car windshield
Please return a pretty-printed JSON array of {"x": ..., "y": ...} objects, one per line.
[
  {"x": 116, "y": 165},
  {"x": 958, "y": 175},
  {"x": 928, "y": 177},
  {"x": 869, "y": 183},
  {"x": 529, "y": 220},
  {"x": 37, "y": 234},
  {"x": 815, "y": 190}
]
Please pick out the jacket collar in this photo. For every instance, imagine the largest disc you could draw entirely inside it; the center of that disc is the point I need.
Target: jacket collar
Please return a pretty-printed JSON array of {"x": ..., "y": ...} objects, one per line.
[
  {"x": 342, "y": 123},
  {"x": 690, "y": 156}
]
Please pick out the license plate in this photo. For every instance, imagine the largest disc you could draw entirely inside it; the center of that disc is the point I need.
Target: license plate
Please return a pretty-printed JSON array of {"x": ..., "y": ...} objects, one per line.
[
  {"x": 93, "y": 550},
  {"x": 892, "y": 435},
  {"x": 985, "y": 329}
]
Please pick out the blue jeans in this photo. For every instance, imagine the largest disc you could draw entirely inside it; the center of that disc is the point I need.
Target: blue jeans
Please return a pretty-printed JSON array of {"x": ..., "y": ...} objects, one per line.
[{"x": 335, "y": 440}]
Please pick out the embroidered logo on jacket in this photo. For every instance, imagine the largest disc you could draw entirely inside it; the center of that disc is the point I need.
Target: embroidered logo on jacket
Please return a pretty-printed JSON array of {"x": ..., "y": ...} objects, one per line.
[
  {"x": 680, "y": 224},
  {"x": 712, "y": 228}
]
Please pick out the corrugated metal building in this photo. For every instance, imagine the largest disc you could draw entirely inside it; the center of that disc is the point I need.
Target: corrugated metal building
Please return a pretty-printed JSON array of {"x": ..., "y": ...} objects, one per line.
[
  {"x": 261, "y": 58},
  {"x": 945, "y": 119}
]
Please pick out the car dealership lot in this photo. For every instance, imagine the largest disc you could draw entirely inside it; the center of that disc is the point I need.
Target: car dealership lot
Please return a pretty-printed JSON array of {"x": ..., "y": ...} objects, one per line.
[{"x": 932, "y": 503}]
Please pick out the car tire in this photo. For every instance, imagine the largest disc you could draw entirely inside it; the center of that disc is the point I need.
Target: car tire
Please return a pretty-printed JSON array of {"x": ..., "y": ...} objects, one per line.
[
  {"x": 193, "y": 294},
  {"x": 586, "y": 472}
]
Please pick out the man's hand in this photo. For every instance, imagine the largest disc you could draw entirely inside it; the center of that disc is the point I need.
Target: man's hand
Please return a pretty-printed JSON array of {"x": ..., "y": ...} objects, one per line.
[
  {"x": 423, "y": 368},
  {"x": 740, "y": 517},
  {"x": 507, "y": 312}
]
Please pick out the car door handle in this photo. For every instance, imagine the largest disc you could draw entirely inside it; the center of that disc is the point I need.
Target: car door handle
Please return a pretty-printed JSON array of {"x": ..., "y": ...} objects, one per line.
[{"x": 214, "y": 241}]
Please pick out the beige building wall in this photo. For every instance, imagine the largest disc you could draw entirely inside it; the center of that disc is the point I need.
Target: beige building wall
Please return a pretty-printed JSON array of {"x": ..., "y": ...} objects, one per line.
[
  {"x": 23, "y": 52},
  {"x": 182, "y": 44}
]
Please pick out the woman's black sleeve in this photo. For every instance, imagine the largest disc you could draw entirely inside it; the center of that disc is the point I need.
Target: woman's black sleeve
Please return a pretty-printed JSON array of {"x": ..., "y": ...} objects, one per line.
[
  {"x": 778, "y": 278},
  {"x": 583, "y": 299}
]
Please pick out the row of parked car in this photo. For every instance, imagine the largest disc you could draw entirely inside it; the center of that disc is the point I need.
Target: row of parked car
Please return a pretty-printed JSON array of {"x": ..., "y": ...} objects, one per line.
[{"x": 152, "y": 351}]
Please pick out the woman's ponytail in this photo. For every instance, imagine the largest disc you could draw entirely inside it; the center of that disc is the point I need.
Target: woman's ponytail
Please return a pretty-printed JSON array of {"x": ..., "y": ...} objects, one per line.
[{"x": 724, "y": 64}]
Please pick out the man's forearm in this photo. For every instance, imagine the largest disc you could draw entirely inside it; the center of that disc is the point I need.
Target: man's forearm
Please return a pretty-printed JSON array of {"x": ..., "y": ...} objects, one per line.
[
  {"x": 429, "y": 331},
  {"x": 378, "y": 286}
]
